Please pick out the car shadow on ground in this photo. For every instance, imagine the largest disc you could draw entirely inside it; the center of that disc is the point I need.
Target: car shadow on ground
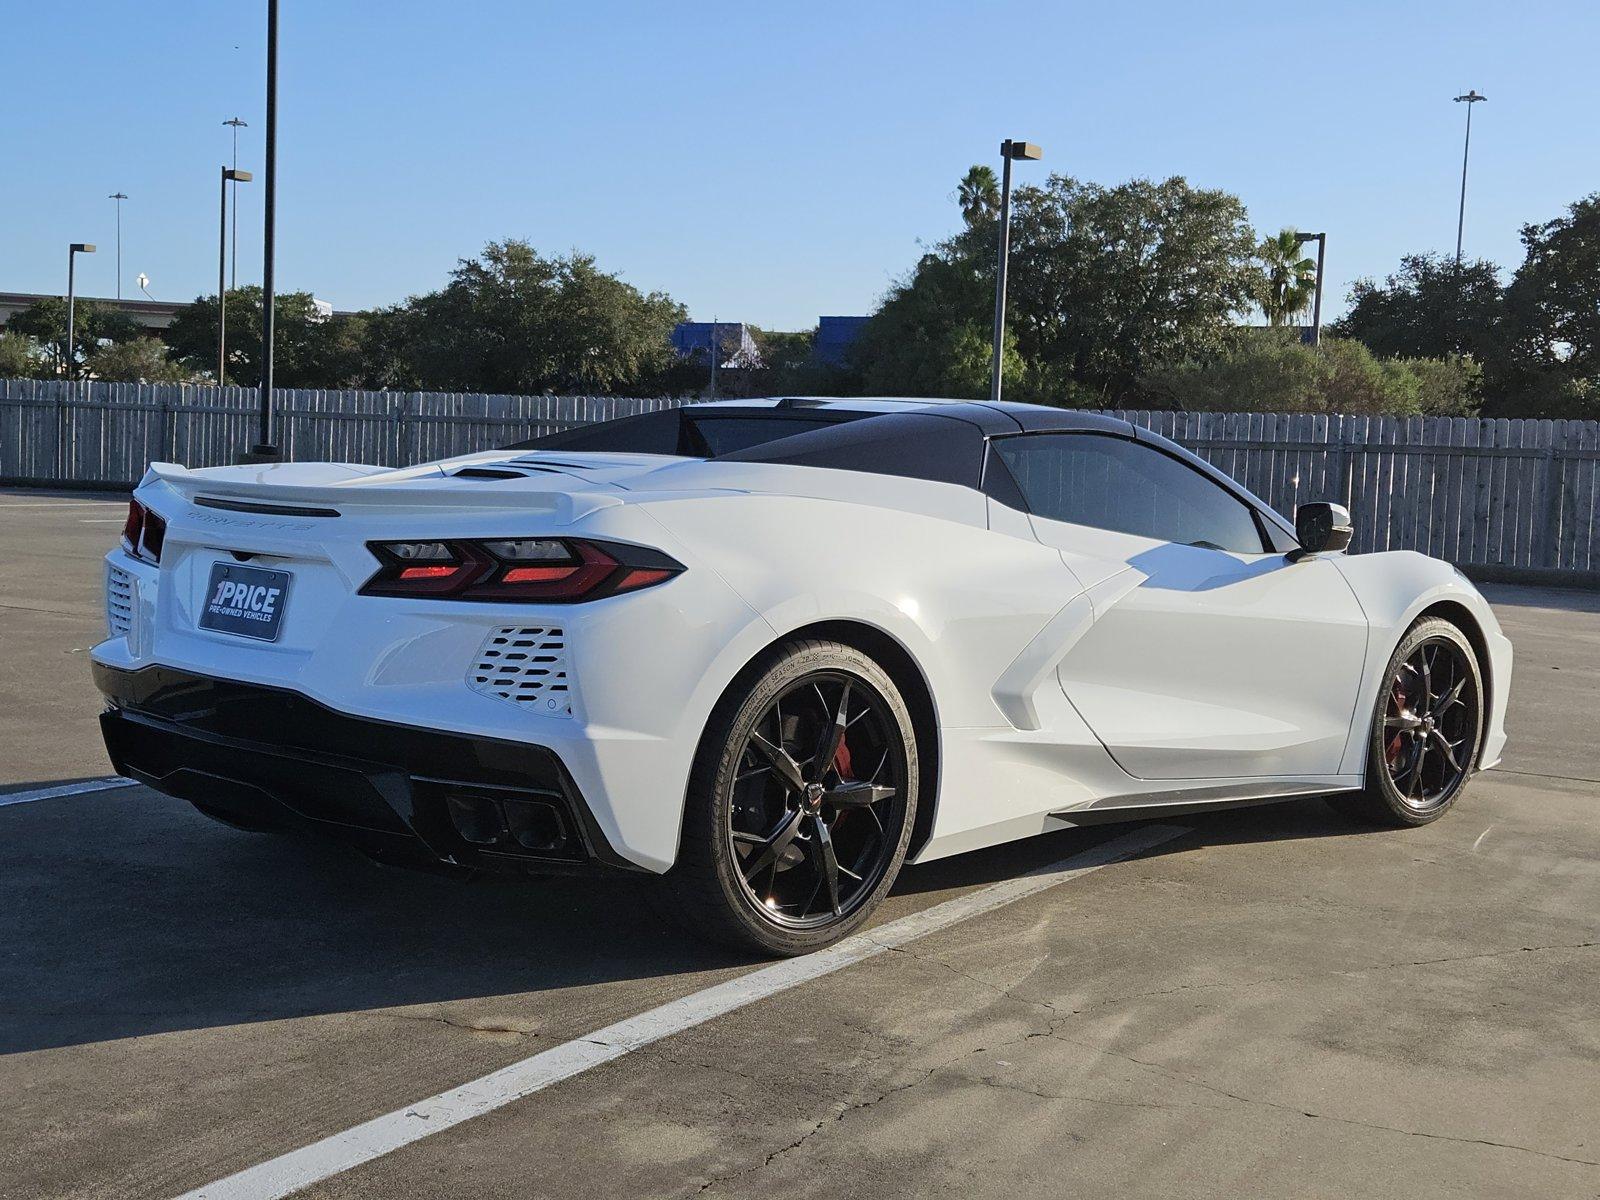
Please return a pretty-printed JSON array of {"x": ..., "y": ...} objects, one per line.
[{"x": 131, "y": 914}]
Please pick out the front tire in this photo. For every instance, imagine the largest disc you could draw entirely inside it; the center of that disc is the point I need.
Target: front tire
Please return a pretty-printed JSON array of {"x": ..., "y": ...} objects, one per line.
[
  {"x": 801, "y": 801},
  {"x": 1427, "y": 727}
]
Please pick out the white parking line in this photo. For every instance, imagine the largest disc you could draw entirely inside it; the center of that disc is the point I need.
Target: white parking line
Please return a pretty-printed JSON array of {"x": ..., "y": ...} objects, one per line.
[
  {"x": 64, "y": 789},
  {"x": 362, "y": 1143},
  {"x": 63, "y": 504}
]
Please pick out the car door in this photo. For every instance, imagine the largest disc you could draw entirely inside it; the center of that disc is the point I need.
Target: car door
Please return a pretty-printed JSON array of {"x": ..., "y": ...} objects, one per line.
[{"x": 1210, "y": 655}]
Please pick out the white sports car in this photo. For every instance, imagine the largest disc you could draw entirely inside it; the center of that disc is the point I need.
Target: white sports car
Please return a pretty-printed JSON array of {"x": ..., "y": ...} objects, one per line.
[{"x": 773, "y": 649}]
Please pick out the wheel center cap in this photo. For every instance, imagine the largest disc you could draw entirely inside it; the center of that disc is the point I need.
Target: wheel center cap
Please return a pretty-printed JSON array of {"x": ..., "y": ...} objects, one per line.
[{"x": 813, "y": 796}]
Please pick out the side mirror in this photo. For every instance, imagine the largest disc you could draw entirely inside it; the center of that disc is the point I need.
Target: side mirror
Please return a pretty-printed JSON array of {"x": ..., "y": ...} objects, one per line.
[{"x": 1321, "y": 528}]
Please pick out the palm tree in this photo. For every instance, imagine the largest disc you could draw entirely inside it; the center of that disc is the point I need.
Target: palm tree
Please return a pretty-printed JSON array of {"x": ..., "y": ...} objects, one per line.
[
  {"x": 978, "y": 195},
  {"x": 1288, "y": 281}
]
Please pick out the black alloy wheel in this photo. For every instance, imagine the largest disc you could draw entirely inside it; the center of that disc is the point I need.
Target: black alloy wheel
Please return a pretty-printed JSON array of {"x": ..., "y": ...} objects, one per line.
[
  {"x": 819, "y": 790},
  {"x": 1431, "y": 724},
  {"x": 1426, "y": 730},
  {"x": 802, "y": 801}
]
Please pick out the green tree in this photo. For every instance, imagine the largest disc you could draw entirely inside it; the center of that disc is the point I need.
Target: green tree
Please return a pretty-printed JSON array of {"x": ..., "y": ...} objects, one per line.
[
  {"x": 1288, "y": 278},
  {"x": 932, "y": 336},
  {"x": 143, "y": 360},
  {"x": 1429, "y": 308},
  {"x": 1107, "y": 282},
  {"x": 22, "y": 358},
  {"x": 512, "y": 320},
  {"x": 1553, "y": 310},
  {"x": 1271, "y": 370},
  {"x": 979, "y": 196},
  {"x": 46, "y": 322},
  {"x": 309, "y": 348}
]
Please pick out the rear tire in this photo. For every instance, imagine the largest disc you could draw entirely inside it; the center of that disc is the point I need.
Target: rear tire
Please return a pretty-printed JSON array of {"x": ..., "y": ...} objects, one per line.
[
  {"x": 800, "y": 804},
  {"x": 1427, "y": 726}
]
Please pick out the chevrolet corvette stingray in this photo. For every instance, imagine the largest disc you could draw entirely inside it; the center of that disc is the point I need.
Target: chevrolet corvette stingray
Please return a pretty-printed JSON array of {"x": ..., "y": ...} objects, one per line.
[{"x": 772, "y": 650}]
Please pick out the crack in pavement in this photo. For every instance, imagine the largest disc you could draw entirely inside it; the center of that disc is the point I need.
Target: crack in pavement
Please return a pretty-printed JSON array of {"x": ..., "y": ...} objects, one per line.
[
  {"x": 1060, "y": 1017},
  {"x": 1544, "y": 775},
  {"x": 841, "y": 1111},
  {"x": 1216, "y": 1089},
  {"x": 1008, "y": 1085},
  {"x": 1227, "y": 985},
  {"x": 464, "y": 1026}
]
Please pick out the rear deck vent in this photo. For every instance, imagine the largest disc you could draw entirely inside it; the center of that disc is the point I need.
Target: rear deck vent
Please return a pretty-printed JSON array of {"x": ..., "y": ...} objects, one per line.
[
  {"x": 489, "y": 473},
  {"x": 552, "y": 464},
  {"x": 527, "y": 665},
  {"x": 119, "y": 601}
]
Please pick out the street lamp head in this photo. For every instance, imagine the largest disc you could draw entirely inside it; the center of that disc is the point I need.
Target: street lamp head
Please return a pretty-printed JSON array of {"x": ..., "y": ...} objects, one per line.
[
  {"x": 236, "y": 176},
  {"x": 237, "y": 123},
  {"x": 1300, "y": 239},
  {"x": 117, "y": 196},
  {"x": 81, "y": 248},
  {"x": 1013, "y": 149},
  {"x": 1471, "y": 97}
]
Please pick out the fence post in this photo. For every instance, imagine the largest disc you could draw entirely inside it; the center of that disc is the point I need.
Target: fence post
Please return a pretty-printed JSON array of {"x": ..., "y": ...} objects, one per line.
[
  {"x": 401, "y": 407},
  {"x": 58, "y": 468},
  {"x": 1547, "y": 538}
]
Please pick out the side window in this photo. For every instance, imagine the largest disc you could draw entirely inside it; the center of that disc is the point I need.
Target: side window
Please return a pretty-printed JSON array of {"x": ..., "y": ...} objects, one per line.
[{"x": 1127, "y": 487}]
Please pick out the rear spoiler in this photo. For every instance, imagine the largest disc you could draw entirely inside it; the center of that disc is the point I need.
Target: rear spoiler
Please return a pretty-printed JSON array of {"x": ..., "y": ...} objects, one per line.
[{"x": 363, "y": 488}]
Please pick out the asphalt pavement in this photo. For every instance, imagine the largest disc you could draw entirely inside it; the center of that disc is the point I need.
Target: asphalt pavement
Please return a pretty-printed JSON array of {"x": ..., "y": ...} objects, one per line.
[{"x": 1274, "y": 1003}]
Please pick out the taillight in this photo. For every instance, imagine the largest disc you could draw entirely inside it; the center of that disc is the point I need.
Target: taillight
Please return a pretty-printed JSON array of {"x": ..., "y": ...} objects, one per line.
[
  {"x": 155, "y": 535},
  {"x": 133, "y": 527},
  {"x": 143, "y": 533},
  {"x": 529, "y": 570}
]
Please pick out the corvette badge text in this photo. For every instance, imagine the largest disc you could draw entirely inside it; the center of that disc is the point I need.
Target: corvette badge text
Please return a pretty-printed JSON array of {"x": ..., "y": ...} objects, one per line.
[{"x": 245, "y": 601}]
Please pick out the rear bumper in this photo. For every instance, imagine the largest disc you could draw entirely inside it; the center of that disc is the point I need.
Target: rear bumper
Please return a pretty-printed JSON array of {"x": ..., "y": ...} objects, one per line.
[{"x": 268, "y": 758}]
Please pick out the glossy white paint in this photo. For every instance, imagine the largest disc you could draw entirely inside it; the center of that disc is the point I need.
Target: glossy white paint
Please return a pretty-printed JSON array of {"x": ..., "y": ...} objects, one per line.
[{"x": 1070, "y": 669}]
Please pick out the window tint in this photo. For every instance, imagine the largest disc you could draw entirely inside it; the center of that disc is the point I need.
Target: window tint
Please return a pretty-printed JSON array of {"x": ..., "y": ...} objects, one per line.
[
  {"x": 1117, "y": 484},
  {"x": 683, "y": 432},
  {"x": 724, "y": 435},
  {"x": 913, "y": 445}
]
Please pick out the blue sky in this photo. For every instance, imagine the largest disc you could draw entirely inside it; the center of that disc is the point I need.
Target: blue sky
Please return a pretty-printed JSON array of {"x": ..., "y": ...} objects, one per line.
[{"x": 761, "y": 161}]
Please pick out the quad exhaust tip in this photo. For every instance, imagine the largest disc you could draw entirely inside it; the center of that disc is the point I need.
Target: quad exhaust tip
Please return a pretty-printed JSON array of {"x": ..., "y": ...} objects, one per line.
[{"x": 511, "y": 825}]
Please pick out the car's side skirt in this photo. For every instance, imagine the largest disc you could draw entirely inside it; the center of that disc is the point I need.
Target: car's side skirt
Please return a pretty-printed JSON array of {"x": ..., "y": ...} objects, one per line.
[{"x": 1172, "y": 801}]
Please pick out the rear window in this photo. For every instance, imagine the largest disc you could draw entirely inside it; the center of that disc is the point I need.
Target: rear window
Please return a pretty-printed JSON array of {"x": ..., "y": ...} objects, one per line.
[
  {"x": 724, "y": 435},
  {"x": 679, "y": 432}
]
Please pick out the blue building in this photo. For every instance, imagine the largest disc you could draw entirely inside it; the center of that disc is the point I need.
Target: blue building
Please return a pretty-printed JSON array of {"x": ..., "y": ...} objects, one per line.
[
  {"x": 735, "y": 342},
  {"x": 835, "y": 336}
]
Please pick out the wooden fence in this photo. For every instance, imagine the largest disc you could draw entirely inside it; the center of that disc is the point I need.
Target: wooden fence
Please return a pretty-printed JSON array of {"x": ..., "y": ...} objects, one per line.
[
  {"x": 1512, "y": 495},
  {"x": 103, "y": 434}
]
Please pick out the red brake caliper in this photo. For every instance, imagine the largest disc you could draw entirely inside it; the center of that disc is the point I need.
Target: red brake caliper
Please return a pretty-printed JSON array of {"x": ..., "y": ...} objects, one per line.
[
  {"x": 1391, "y": 752},
  {"x": 841, "y": 761},
  {"x": 841, "y": 764}
]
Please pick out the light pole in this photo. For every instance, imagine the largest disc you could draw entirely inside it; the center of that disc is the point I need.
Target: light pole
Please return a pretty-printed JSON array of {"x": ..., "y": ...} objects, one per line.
[
  {"x": 143, "y": 281},
  {"x": 229, "y": 175},
  {"x": 1009, "y": 150},
  {"x": 69, "y": 364},
  {"x": 119, "y": 197},
  {"x": 1469, "y": 100},
  {"x": 237, "y": 124},
  {"x": 264, "y": 450},
  {"x": 1321, "y": 239}
]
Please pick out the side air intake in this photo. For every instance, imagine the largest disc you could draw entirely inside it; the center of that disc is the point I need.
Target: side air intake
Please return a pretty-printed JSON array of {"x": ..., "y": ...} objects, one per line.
[
  {"x": 526, "y": 665},
  {"x": 119, "y": 601}
]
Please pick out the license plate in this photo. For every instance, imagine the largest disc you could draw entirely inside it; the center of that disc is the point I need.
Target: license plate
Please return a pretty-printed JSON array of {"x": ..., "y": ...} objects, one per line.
[{"x": 247, "y": 601}]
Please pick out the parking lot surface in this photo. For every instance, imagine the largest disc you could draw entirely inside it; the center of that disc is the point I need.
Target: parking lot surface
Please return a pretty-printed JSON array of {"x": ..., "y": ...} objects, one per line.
[{"x": 1274, "y": 1003}]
